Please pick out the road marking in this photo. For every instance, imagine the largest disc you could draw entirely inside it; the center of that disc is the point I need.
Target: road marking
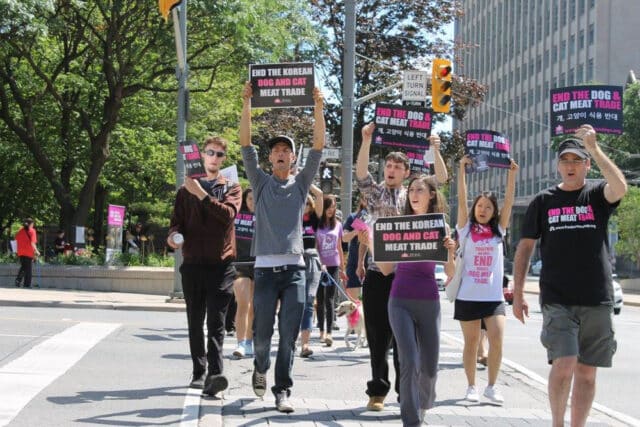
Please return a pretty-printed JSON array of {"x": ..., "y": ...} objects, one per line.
[
  {"x": 23, "y": 378},
  {"x": 191, "y": 408},
  {"x": 539, "y": 379}
]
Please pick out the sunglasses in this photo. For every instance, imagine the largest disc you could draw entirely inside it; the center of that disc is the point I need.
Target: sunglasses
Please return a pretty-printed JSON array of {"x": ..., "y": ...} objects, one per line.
[{"x": 212, "y": 153}]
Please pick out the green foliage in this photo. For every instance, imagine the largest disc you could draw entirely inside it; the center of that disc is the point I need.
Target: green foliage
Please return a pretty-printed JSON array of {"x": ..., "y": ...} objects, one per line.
[
  {"x": 628, "y": 220},
  {"x": 137, "y": 260}
]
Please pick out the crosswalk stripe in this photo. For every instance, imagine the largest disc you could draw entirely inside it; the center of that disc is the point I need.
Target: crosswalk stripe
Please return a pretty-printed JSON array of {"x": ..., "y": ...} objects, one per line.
[
  {"x": 191, "y": 408},
  {"x": 23, "y": 378}
]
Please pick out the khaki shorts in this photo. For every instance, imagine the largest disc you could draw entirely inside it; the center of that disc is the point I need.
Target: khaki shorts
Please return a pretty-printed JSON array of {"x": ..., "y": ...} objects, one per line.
[{"x": 583, "y": 331}]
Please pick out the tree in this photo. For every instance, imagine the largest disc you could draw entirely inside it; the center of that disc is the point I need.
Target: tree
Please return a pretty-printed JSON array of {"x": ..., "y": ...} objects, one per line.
[
  {"x": 391, "y": 36},
  {"x": 628, "y": 220},
  {"x": 70, "y": 69}
]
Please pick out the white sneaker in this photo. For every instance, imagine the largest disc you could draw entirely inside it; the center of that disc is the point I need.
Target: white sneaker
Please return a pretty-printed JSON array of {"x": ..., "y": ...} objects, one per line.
[
  {"x": 492, "y": 393},
  {"x": 472, "y": 394},
  {"x": 239, "y": 352}
]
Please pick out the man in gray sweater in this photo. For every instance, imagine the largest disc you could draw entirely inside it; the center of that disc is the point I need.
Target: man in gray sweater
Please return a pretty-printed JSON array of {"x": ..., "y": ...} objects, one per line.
[{"x": 277, "y": 245}]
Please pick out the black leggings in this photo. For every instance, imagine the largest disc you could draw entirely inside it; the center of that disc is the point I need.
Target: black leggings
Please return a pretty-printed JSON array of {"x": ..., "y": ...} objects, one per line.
[
  {"x": 26, "y": 268},
  {"x": 326, "y": 300}
]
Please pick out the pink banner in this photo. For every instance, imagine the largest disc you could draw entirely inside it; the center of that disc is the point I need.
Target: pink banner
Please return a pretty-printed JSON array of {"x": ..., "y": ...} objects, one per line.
[{"x": 115, "y": 215}]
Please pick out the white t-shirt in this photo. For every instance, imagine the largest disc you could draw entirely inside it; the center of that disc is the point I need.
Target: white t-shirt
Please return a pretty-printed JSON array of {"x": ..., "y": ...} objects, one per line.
[{"x": 484, "y": 264}]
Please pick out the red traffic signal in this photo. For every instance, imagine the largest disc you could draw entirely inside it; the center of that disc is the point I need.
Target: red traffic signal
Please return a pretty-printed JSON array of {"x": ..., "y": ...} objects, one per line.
[{"x": 441, "y": 85}]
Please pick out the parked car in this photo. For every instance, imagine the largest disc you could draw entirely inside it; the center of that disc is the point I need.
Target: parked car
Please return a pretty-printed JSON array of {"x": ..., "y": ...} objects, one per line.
[
  {"x": 536, "y": 267},
  {"x": 618, "y": 301},
  {"x": 441, "y": 277},
  {"x": 507, "y": 288}
]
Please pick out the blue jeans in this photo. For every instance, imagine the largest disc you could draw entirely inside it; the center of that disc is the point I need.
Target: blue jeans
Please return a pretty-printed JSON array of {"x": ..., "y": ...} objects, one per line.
[
  {"x": 312, "y": 281},
  {"x": 289, "y": 288}
]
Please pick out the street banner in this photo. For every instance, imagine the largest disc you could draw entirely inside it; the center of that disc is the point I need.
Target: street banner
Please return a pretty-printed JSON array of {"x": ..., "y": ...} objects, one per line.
[
  {"x": 410, "y": 238},
  {"x": 282, "y": 85},
  {"x": 415, "y": 85},
  {"x": 598, "y": 105},
  {"x": 402, "y": 126},
  {"x": 193, "y": 167},
  {"x": 418, "y": 163},
  {"x": 488, "y": 149},
  {"x": 115, "y": 224}
]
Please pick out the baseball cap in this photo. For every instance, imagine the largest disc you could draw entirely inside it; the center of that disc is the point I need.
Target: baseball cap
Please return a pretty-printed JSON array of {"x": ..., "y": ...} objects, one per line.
[
  {"x": 574, "y": 146},
  {"x": 282, "y": 138}
]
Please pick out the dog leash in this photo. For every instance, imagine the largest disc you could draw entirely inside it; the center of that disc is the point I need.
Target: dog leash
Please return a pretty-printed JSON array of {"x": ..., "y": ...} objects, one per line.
[{"x": 338, "y": 286}]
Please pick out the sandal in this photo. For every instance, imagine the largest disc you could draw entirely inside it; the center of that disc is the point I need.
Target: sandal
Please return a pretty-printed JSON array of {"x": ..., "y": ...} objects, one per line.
[
  {"x": 328, "y": 341},
  {"x": 306, "y": 352},
  {"x": 482, "y": 360}
]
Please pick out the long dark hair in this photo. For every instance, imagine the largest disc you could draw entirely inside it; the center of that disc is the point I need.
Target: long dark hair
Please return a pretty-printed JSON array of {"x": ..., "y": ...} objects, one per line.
[
  {"x": 27, "y": 222},
  {"x": 494, "y": 222},
  {"x": 327, "y": 202},
  {"x": 245, "y": 194},
  {"x": 437, "y": 203}
]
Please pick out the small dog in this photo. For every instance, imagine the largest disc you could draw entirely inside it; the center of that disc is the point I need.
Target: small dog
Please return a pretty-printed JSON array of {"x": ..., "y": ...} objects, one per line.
[{"x": 355, "y": 322}]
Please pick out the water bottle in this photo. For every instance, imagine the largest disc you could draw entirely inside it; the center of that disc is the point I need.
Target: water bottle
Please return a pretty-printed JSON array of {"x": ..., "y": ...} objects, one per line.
[{"x": 178, "y": 239}]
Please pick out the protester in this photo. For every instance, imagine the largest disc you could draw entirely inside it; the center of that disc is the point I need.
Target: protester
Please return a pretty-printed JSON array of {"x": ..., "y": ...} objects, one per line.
[
  {"x": 278, "y": 248},
  {"x": 203, "y": 216},
  {"x": 313, "y": 267},
  {"x": 243, "y": 285},
  {"x": 414, "y": 310},
  {"x": 480, "y": 295},
  {"x": 26, "y": 240},
  {"x": 350, "y": 236},
  {"x": 329, "y": 242},
  {"x": 384, "y": 199},
  {"x": 576, "y": 295}
]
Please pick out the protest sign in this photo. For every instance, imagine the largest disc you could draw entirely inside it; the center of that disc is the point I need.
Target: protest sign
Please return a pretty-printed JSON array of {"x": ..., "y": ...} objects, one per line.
[
  {"x": 599, "y": 106},
  {"x": 418, "y": 163},
  {"x": 410, "y": 238},
  {"x": 244, "y": 224},
  {"x": 282, "y": 85},
  {"x": 402, "y": 126},
  {"x": 488, "y": 149},
  {"x": 230, "y": 173},
  {"x": 193, "y": 167}
]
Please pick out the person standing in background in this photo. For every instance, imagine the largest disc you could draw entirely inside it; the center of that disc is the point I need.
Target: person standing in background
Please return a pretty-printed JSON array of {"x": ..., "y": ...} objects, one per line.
[
  {"x": 26, "y": 239},
  {"x": 243, "y": 285},
  {"x": 329, "y": 243}
]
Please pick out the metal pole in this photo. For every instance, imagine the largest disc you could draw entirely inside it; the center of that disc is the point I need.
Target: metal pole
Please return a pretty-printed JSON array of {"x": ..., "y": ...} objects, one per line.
[
  {"x": 182, "y": 73},
  {"x": 349, "y": 66}
]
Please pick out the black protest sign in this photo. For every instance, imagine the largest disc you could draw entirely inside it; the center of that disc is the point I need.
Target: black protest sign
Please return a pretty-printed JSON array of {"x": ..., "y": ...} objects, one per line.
[
  {"x": 410, "y": 238},
  {"x": 193, "y": 167},
  {"x": 244, "y": 224},
  {"x": 488, "y": 149},
  {"x": 282, "y": 85},
  {"x": 418, "y": 164},
  {"x": 599, "y": 106},
  {"x": 402, "y": 126}
]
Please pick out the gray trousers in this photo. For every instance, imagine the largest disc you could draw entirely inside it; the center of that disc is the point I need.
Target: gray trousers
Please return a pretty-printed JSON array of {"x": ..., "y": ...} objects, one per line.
[{"x": 416, "y": 328}]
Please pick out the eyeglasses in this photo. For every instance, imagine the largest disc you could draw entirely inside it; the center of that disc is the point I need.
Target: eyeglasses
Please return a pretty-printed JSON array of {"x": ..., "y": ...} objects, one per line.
[
  {"x": 574, "y": 162},
  {"x": 212, "y": 153}
]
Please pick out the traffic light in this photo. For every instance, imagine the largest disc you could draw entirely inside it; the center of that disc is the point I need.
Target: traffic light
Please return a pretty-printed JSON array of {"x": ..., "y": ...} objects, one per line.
[
  {"x": 441, "y": 85},
  {"x": 166, "y": 6},
  {"x": 326, "y": 179}
]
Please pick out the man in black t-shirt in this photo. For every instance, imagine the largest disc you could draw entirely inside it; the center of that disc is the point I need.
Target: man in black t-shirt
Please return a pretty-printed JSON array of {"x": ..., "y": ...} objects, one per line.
[{"x": 571, "y": 221}]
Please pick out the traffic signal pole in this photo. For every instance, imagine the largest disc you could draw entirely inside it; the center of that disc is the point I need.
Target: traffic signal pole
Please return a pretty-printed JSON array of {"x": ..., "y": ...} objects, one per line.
[
  {"x": 182, "y": 73},
  {"x": 349, "y": 66}
]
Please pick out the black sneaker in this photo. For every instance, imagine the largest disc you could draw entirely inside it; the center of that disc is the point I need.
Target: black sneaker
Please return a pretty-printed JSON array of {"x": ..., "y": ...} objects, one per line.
[
  {"x": 282, "y": 402},
  {"x": 197, "y": 381},
  {"x": 215, "y": 384},
  {"x": 259, "y": 382}
]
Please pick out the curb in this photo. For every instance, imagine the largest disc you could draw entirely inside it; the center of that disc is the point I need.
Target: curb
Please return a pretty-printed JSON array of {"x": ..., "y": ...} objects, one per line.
[{"x": 98, "y": 306}]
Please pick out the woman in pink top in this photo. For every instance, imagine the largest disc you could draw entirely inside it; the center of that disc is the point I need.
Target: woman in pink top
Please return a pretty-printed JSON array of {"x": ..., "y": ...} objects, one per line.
[{"x": 329, "y": 243}]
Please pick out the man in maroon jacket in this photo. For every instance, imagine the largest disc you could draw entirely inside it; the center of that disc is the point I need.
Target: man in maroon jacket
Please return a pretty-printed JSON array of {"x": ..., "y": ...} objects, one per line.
[{"x": 204, "y": 214}]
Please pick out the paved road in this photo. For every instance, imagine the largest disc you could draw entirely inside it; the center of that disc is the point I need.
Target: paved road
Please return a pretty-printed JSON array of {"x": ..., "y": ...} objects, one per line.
[{"x": 70, "y": 367}]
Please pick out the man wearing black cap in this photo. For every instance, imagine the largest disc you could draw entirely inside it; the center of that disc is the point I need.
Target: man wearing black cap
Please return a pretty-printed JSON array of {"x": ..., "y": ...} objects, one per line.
[
  {"x": 576, "y": 296},
  {"x": 277, "y": 245}
]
